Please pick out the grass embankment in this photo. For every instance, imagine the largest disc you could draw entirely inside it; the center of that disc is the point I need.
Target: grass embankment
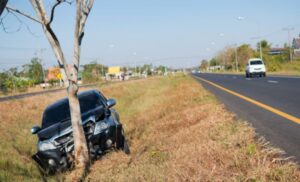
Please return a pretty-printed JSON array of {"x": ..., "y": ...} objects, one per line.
[
  {"x": 289, "y": 68},
  {"x": 177, "y": 131}
]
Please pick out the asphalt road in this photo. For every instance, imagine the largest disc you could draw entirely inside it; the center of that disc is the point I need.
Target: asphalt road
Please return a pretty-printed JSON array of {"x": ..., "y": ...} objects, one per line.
[{"x": 275, "y": 117}]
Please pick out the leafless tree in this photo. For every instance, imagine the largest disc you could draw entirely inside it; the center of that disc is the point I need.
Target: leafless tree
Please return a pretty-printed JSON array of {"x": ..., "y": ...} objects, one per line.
[{"x": 70, "y": 73}]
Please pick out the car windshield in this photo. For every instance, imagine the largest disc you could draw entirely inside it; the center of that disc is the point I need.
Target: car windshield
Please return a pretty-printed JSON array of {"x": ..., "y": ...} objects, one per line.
[
  {"x": 60, "y": 111},
  {"x": 256, "y": 62}
]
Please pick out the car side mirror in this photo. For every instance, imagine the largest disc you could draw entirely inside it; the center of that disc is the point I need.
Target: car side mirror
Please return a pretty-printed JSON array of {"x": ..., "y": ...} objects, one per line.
[
  {"x": 111, "y": 102},
  {"x": 35, "y": 129}
]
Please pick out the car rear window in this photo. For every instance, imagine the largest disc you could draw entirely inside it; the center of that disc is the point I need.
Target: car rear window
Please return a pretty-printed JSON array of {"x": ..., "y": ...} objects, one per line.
[
  {"x": 60, "y": 111},
  {"x": 257, "y": 62}
]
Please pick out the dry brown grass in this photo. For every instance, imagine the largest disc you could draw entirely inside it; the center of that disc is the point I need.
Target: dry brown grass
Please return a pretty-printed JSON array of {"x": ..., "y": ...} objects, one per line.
[{"x": 177, "y": 132}]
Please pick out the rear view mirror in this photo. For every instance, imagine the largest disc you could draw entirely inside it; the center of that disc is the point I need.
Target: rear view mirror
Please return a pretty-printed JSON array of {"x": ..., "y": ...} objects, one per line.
[
  {"x": 35, "y": 129},
  {"x": 111, "y": 102}
]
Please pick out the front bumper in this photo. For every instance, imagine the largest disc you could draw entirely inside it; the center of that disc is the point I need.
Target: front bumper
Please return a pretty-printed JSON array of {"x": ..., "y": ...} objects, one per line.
[
  {"x": 54, "y": 160},
  {"x": 51, "y": 160}
]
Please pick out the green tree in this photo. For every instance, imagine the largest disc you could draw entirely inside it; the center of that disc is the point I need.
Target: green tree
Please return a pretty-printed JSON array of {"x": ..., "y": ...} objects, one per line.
[
  {"x": 265, "y": 46},
  {"x": 214, "y": 62},
  {"x": 204, "y": 65},
  {"x": 93, "y": 72},
  {"x": 146, "y": 68},
  {"x": 3, "y": 77},
  {"x": 245, "y": 52},
  {"x": 161, "y": 69},
  {"x": 34, "y": 70}
]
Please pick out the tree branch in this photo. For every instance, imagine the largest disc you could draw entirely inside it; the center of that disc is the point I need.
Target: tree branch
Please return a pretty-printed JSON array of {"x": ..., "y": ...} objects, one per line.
[
  {"x": 22, "y": 13},
  {"x": 21, "y": 23},
  {"x": 83, "y": 9},
  {"x": 41, "y": 12},
  {"x": 53, "y": 10},
  {"x": 58, "y": 2}
]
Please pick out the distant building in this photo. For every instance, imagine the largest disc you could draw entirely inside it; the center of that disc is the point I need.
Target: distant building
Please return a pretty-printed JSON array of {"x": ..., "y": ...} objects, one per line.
[
  {"x": 296, "y": 46},
  {"x": 217, "y": 67},
  {"x": 115, "y": 72},
  {"x": 276, "y": 51},
  {"x": 53, "y": 73}
]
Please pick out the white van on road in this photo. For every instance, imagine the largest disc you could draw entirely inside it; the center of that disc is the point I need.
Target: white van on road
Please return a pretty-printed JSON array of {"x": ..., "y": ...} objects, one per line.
[{"x": 255, "y": 66}]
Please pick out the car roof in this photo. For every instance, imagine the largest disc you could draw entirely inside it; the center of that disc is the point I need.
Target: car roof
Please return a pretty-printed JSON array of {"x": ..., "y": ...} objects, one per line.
[
  {"x": 81, "y": 94},
  {"x": 255, "y": 59}
]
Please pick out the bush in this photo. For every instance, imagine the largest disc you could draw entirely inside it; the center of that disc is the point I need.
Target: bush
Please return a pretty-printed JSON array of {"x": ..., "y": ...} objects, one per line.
[
  {"x": 273, "y": 66},
  {"x": 15, "y": 83}
]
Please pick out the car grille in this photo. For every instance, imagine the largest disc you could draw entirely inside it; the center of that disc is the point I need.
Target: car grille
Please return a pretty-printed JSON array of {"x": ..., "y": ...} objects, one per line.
[{"x": 64, "y": 139}]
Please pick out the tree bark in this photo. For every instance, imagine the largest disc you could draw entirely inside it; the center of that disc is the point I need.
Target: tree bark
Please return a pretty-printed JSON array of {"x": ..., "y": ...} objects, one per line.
[{"x": 81, "y": 151}]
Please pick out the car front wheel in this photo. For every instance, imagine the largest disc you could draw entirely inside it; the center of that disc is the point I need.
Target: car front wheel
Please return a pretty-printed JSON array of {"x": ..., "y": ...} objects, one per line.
[{"x": 122, "y": 143}]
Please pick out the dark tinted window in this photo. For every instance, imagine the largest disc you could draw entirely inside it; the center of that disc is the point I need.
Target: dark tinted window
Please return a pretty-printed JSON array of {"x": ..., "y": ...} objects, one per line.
[
  {"x": 60, "y": 111},
  {"x": 56, "y": 113},
  {"x": 258, "y": 62},
  {"x": 89, "y": 101}
]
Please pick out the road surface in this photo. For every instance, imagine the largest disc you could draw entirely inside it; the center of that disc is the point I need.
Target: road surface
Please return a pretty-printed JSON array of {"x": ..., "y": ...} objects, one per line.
[{"x": 271, "y": 105}]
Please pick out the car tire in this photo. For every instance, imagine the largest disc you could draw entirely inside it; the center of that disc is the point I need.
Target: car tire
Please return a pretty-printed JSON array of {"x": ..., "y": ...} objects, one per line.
[
  {"x": 122, "y": 144},
  {"x": 126, "y": 149}
]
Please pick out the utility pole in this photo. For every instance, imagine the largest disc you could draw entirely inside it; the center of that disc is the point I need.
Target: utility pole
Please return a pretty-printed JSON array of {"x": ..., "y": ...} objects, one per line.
[
  {"x": 236, "y": 59},
  {"x": 288, "y": 29},
  {"x": 260, "y": 50},
  {"x": 41, "y": 55},
  {"x": 135, "y": 64}
]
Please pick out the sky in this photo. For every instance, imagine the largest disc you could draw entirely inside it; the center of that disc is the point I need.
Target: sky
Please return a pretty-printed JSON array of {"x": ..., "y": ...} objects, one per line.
[{"x": 175, "y": 33}]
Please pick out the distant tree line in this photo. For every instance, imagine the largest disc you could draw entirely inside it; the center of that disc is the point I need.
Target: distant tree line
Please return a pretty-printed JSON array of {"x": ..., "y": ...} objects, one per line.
[
  {"x": 33, "y": 73},
  {"x": 15, "y": 79}
]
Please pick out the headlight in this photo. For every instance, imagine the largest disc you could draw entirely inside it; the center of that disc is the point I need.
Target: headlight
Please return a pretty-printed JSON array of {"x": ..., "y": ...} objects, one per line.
[
  {"x": 43, "y": 146},
  {"x": 100, "y": 126}
]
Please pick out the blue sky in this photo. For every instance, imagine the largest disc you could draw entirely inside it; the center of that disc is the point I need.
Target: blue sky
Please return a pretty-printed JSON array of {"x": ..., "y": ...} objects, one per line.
[{"x": 177, "y": 33}]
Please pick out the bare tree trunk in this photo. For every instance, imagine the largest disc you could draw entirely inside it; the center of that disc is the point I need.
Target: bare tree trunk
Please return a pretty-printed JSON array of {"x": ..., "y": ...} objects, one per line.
[
  {"x": 83, "y": 8},
  {"x": 81, "y": 150}
]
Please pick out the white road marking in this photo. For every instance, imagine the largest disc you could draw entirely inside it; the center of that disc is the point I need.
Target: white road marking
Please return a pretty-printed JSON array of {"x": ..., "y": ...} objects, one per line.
[
  {"x": 283, "y": 76},
  {"x": 272, "y": 81},
  {"x": 248, "y": 79}
]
